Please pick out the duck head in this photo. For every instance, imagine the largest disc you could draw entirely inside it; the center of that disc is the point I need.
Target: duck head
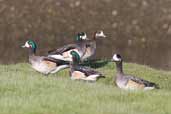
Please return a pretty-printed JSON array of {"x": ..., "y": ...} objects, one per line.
[
  {"x": 117, "y": 58},
  {"x": 99, "y": 34},
  {"x": 118, "y": 61},
  {"x": 81, "y": 36},
  {"x": 75, "y": 56},
  {"x": 31, "y": 45}
]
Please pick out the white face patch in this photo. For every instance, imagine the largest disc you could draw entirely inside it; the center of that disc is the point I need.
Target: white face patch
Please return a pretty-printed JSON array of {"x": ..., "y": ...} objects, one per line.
[
  {"x": 84, "y": 37},
  {"x": 115, "y": 58},
  {"x": 26, "y": 45},
  {"x": 100, "y": 34}
]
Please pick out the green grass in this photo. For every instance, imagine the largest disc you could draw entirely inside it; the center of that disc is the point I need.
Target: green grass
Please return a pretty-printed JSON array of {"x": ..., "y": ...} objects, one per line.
[{"x": 25, "y": 91}]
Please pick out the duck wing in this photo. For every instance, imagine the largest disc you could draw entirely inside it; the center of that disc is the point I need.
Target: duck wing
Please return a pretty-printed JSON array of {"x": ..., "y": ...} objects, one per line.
[
  {"x": 62, "y": 49},
  {"x": 57, "y": 61},
  {"x": 142, "y": 81},
  {"x": 87, "y": 71}
]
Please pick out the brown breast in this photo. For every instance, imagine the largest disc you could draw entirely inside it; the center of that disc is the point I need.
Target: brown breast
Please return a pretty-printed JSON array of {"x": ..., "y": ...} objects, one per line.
[
  {"x": 49, "y": 64},
  {"x": 78, "y": 75}
]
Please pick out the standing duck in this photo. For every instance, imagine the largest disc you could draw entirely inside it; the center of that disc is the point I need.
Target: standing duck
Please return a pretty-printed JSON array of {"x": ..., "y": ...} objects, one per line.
[
  {"x": 43, "y": 64},
  {"x": 91, "y": 45},
  {"x": 129, "y": 82},
  {"x": 63, "y": 53},
  {"x": 78, "y": 72}
]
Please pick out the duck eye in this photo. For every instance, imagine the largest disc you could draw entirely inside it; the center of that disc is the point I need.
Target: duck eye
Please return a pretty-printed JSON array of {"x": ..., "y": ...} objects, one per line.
[
  {"x": 30, "y": 45},
  {"x": 118, "y": 56},
  {"x": 83, "y": 33}
]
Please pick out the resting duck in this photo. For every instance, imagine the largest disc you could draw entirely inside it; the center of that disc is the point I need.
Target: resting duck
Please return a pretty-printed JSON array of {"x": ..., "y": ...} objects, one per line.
[
  {"x": 129, "y": 82},
  {"x": 78, "y": 72},
  {"x": 91, "y": 45},
  {"x": 63, "y": 53},
  {"x": 43, "y": 64}
]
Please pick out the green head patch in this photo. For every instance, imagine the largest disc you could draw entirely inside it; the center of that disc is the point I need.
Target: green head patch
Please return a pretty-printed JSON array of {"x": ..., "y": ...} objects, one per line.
[
  {"x": 81, "y": 36},
  {"x": 75, "y": 56},
  {"x": 30, "y": 44}
]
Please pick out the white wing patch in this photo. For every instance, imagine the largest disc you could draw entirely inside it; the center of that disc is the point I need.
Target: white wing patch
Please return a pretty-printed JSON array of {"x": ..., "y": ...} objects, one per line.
[{"x": 60, "y": 57}]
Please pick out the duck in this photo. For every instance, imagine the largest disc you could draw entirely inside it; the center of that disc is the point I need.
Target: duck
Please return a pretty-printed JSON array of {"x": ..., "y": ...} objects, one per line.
[
  {"x": 129, "y": 82},
  {"x": 43, "y": 64},
  {"x": 91, "y": 45},
  {"x": 78, "y": 72},
  {"x": 63, "y": 53}
]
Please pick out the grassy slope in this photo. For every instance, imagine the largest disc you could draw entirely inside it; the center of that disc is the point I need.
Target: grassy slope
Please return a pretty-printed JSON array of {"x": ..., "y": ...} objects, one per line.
[{"x": 24, "y": 91}]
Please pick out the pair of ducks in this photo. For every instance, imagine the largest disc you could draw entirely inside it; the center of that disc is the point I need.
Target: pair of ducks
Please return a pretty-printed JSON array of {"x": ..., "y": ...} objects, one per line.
[
  {"x": 71, "y": 55},
  {"x": 83, "y": 46}
]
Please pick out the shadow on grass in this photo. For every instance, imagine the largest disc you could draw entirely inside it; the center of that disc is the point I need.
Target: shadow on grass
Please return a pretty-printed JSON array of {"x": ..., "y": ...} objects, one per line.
[{"x": 96, "y": 63}]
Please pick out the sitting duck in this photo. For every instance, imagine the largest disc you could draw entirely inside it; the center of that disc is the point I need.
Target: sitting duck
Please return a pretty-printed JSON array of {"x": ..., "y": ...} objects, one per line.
[
  {"x": 78, "y": 72},
  {"x": 43, "y": 64},
  {"x": 129, "y": 82}
]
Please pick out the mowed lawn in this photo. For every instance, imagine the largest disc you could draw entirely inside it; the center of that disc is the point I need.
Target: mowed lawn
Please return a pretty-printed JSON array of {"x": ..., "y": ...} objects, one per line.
[{"x": 25, "y": 91}]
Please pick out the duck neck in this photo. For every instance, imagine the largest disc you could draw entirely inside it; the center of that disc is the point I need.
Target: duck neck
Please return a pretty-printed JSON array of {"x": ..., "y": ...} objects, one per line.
[
  {"x": 94, "y": 36},
  {"x": 119, "y": 69},
  {"x": 32, "y": 52},
  {"x": 73, "y": 64},
  {"x": 93, "y": 41}
]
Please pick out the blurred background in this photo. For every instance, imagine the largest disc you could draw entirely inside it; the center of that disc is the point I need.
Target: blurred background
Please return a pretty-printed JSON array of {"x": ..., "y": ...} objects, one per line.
[{"x": 140, "y": 30}]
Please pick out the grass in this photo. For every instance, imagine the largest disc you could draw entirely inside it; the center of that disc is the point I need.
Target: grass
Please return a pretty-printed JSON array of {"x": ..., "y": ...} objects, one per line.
[{"x": 25, "y": 91}]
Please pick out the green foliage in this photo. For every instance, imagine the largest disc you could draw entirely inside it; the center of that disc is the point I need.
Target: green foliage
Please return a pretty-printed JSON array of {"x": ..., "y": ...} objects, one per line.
[{"x": 25, "y": 91}]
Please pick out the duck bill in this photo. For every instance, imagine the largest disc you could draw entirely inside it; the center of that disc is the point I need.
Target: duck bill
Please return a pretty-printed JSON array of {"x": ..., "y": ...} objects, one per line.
[
  {"x": 104, "y": 36},
  {"x": 23, "y": 46}
]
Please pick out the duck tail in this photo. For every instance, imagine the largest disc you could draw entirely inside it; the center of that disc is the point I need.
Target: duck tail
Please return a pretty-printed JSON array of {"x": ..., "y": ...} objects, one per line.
[
  {"x": 101, "y": 76},
  {"x": 152, "y": 85},
  {"x": 156, "y": 86},
  {"x": 94, "y": 77}
]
